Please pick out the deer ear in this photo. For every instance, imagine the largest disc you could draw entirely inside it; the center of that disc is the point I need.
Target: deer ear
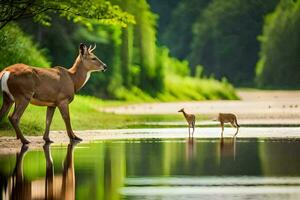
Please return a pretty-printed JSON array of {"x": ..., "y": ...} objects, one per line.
[{"x": 82, "y": 48}]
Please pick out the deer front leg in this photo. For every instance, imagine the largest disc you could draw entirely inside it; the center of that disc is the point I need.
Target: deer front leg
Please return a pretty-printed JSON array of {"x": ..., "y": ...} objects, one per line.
[
  {"x": 49, "y": 116},
  {"x": 49, "y": 172},
  {"x": 193, "y": 127},
  {"x": 64, "y": 111},
  {"x": 14, "y": 119},
  {"x": 222, "y": 125},
  {"x": 237, "y": 130},
  {"x": 68, "y": 179}
]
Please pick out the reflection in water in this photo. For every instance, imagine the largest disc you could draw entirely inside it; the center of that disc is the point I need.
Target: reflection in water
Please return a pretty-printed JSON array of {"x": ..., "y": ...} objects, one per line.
[
  {"x": 191, "y": 168},
  {"x": 191, "y": 145},
  {"x": 68, "y": 181},
  {"x": 18, "y": 187},
  {"x": 56, "y": 187},
  {"x": 49, "y": 172},
  {"x": 227, "y": 148}
]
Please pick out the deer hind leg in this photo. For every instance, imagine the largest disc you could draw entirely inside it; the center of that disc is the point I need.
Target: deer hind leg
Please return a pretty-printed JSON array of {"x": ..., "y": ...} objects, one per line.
[
  {"x": 64, "y": 111},
  {"x": 237, "y": 128},
  {"x": 49, "y": 172},
  {"x": 233, "y": 124},
  {"x": 49, "y": 116},
  {"x": 222, "y": 126},
  {"x": 193, "y": 124},
  {"x": 6, "y": 105},
  {"x": 20, "y": 106}
]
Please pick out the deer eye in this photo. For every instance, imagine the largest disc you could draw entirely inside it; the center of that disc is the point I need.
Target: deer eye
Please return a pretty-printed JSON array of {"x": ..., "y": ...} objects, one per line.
[{"x": 94, "y": 58}]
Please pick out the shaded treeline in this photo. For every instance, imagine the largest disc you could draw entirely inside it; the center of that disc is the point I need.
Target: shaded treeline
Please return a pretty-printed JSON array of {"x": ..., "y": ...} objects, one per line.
[{"x": 251, "y": 43}]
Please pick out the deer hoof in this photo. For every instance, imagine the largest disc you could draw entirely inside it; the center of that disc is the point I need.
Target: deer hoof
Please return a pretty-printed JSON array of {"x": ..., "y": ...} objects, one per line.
[
  {"x": 25, "y": 141},
  {"x": 24, "y": 148},
  {"x": 75, "y": 139},
  {"x": 47, "y": 140}
]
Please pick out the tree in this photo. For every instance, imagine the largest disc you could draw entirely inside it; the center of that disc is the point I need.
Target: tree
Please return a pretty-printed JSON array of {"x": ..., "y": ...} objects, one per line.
[
  {"x": 164, "y": 10},
  {"x": 225, "y": 38},
  {"x": 77, "y": 10},
  {"x": 178, "y": 33},
  {"x": 138, "y": 48},
  {"x": 279, "y": 61}
]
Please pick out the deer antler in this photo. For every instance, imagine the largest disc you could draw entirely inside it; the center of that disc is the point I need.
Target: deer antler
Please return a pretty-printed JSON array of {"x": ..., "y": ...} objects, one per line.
[{"x": 92, "y": 48}]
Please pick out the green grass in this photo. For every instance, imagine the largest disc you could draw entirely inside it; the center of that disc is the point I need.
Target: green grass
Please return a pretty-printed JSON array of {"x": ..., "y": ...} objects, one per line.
[
  {"x": 86, "y": 111},
  {"x": 85, "y": 115}
]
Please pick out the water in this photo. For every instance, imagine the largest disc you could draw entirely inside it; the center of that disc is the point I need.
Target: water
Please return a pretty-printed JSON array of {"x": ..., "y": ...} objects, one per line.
[{"x": 156, "y": 169}]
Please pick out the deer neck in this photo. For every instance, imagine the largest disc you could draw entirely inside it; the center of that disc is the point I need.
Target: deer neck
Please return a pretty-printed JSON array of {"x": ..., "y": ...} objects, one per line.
[
  {"x": 79, "y": 74},
  {"x": 185, "y": 115}
]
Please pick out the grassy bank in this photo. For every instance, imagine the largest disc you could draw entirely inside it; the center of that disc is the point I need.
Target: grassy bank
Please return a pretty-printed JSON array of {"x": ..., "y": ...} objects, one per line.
[
  {"x": 85, "y": 115},
  {"x": 86, "y": 111}
]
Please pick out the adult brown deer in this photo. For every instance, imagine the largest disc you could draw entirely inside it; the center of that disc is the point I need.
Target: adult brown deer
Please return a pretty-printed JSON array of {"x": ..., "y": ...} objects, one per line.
[{"x": 53, "y": 87}]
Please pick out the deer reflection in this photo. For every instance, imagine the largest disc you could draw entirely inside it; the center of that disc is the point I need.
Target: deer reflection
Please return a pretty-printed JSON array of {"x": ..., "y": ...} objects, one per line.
[
  {"x": 68, "y": 182},
  {"x": 190, "y": 150},
  {"x": 227, "y": 148},
  {"x": 52, "y": 187},
  {"x": 18, "y": 187},
  {"x": 49, "y": 172}
]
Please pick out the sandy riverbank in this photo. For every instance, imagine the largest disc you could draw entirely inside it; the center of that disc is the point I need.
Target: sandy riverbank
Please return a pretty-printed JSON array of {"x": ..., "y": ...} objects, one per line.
[
  {"x": 254, "y": 107},
  {"x": 11, "y": 145}
]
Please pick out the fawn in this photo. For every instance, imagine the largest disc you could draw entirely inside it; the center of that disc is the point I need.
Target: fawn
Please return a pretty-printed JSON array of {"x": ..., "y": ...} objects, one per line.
[
  {"x": 190, "y": 118},
  {"x": 228, "y": 118},
  {"x": 52, "y": 87}
]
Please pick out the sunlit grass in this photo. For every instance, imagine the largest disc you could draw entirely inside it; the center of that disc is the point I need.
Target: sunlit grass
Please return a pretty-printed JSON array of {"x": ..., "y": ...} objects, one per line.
[
  {"x": 86, "y": 114},
  {"x": 86, "y": 111},
  {"x": 179, "y": 88},
  {"x": 187, "y": 88}
]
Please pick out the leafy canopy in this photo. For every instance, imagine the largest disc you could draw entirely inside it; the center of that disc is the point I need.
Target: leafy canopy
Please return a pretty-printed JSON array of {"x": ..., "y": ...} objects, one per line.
[{"x": 85, "y": 12}]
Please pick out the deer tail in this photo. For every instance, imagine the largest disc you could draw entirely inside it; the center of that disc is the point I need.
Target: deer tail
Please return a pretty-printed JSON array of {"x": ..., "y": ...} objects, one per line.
[{"x": 1, "y": 74}]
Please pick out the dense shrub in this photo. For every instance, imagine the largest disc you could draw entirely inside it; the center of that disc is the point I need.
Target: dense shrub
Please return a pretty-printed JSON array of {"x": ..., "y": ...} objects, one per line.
[{"x": 17, "y": 47}]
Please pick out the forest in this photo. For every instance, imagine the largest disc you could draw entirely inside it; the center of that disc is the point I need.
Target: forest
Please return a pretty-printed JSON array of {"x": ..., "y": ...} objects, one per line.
[{"x": 160, "y": 50}]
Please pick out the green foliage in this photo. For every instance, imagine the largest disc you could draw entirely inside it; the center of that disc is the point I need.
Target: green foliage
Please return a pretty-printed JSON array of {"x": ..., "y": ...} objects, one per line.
[
  {"x": 172, "y": 65},
  {"x": 86, "y": 12},
  {"x": 17, "y": 47},
  {"x": 164, "y": 9},
  {"x": 126, "y": 56},
  {"x": 225, "y": 38},
  {"x": 134, "y": 94},
  {"x": 141, "y": 50},
  {"x": 186, "y": 88},
  {"x": 178, "y": 34},
  {"x": 178, "y": 88},
  {"x": 137, "y": 67},
  {"x": 280, "y": 46}
]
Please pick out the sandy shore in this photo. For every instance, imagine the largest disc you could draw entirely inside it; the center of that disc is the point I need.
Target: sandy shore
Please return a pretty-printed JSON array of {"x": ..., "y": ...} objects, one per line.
[
  {"x": 11, "y": 145},
  {"x": 255, "y": 107}
]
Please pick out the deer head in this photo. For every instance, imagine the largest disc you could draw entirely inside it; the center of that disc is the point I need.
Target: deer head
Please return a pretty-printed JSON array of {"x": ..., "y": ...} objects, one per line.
[
  {"x": 181, "y": 110},
  {"x": 89, "y": 60}
]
